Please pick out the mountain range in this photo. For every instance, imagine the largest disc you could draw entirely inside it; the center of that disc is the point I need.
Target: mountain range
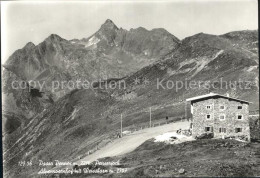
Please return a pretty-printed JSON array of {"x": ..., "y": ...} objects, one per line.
[{"x": 47, "y": 124}]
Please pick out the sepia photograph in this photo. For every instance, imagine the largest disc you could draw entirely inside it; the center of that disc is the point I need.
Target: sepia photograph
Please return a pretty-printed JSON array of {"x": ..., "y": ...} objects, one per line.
[{"x": 120, "y": 88}]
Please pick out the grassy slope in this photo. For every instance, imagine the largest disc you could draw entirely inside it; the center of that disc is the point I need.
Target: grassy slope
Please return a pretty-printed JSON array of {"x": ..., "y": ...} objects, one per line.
[
  {"x": 197, "y": 158},
  {"x": 73, "y": 126},
  {"x": 80, "y": 120}
]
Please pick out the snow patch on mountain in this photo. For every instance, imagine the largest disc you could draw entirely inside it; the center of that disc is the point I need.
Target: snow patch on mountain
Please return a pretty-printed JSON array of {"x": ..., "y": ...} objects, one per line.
[
  {"x": 217, "y": 54},
  {"x": 92, "y": 41},
  {"x": 251, "y": 68},
  {"x": 200, "y": 63},
  {"x": 204, "y": 62}
]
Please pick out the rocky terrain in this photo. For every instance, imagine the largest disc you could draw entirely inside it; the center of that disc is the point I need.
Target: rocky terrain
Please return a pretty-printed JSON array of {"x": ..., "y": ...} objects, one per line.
[
  {"x": 66, "y": 123},
  {"x": 104, "y": 55},
  {"x": 200, "y": 158}
]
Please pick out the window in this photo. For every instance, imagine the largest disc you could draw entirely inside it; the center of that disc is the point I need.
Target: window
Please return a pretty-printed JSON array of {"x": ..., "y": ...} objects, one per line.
[
  {"x": 208, "y": 116},
  {"x": 222, "y": 107},
  {"x": 208, "y": 129},
  {"x": 239, "y": 117},
  {"x": 222, "y": 117},
  {"x": 208, "y": 107},
  {"x": 239, "y": 107},
  {"x": 238, "y": 130},
  {"x": 222, "y": 130}
]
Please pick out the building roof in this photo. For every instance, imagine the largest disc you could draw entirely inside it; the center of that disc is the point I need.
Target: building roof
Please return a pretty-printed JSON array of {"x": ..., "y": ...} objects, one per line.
[{"x": 211, "y": 95}]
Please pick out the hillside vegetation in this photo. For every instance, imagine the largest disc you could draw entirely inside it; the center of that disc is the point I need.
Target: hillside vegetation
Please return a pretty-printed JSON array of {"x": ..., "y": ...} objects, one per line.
[{"x": 68, "y": 123}]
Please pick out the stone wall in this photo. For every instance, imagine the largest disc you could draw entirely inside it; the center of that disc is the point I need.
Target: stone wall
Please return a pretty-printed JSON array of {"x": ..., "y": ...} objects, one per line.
[
  {"x": 254, "y": 127},
  {"x": 199, "y": 117},
  {"x": 230, "y": 123}
]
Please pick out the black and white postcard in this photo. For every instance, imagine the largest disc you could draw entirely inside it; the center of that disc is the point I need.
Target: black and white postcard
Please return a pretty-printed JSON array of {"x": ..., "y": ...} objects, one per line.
[{"x": 130, "y": 88}]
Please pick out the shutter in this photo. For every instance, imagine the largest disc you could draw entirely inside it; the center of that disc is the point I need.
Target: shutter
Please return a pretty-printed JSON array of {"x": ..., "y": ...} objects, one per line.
[{"x": 211, "y": 129}]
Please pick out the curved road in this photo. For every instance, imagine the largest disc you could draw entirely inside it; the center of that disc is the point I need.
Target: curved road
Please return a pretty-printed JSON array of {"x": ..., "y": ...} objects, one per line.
[{"x": 128, "y": 143}]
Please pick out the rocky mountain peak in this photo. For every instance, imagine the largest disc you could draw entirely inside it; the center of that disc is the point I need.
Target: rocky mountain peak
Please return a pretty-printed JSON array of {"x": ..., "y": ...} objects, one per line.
[
  {"x": 109, "y": 24},
  {"x": 29, "y": 45},
  {"x": 109, "y": 21},
  {"x": 54, "y": 37},
  {"x": 162, "y": 30}
]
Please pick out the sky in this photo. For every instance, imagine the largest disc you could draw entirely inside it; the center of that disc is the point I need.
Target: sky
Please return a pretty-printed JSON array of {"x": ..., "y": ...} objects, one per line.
[{"x": 33, "y": 21}]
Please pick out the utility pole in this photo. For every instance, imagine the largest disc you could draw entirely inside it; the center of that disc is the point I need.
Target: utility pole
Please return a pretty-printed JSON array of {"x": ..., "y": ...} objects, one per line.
[
  {"x": 121, "y": 125},
  {"x": 29, "y": 66},
  {"x": 186, "y": 110},
  {"x": 29, "y": 89},
  {"x": 150, "y": 117}
]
